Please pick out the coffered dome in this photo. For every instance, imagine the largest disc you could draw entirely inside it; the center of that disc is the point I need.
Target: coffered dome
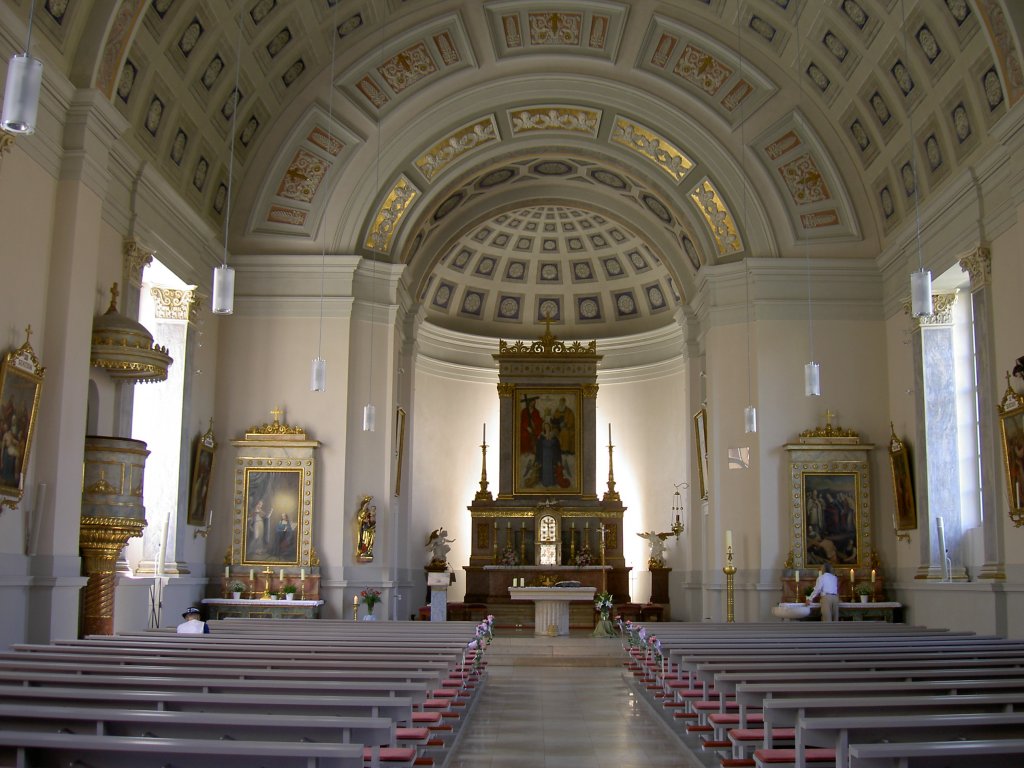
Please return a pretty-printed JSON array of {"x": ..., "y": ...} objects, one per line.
[{"x": 577, "y": 267}]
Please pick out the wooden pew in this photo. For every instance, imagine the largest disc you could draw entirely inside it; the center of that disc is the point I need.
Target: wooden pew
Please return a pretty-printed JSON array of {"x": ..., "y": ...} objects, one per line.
[
  {"x": 997, "y": 753},
  {"x": 840, "y": 732},
  {"x": 67, "y": 749}
]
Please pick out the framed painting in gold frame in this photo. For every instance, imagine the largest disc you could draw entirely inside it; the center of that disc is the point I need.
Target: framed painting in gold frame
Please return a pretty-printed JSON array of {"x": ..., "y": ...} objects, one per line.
[
  {"x": 399, "y": 448},
  {"x": 831, "y": 530},
  {"x": 546, "y": 440},
  {"x": 21, "y": 380},
  {"x": 1011, "y": 425},
  {"x": 202, "y": 473},
  {"x": 904, "y": 505},
  {"x": 274, "y": 516},
  {"x": 700, "y": 437}
]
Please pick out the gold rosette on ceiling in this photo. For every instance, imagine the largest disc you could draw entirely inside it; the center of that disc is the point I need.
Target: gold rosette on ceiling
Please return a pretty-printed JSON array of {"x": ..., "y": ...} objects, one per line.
[{"x": 125, "y": 349}]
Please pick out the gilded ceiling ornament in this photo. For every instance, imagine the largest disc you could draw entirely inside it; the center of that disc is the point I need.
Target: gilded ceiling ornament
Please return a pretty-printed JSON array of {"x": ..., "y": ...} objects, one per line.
[
  {"x": 652, "y": 146},
  {"x": 721, "y": 222},
  {"x": 457, "y": 144},
  {"x": 552, "y": 118},
  {"x": 978, "y": 265},
  {"x": 390, "y": 214}
]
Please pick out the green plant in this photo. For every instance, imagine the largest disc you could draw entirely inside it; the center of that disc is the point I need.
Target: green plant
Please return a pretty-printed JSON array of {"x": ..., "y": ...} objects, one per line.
[
  {"x": 807, "y": 591},
  {"x": 237, "y": 586},
  {"x": 864, "y": 588},
  {"x": 289, "y": 589}
]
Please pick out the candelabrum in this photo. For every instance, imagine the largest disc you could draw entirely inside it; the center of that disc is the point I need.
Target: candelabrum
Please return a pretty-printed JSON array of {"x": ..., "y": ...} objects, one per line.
[
  {"x": 730, "y": 594},
  {"x": 677, "y": 511},
  {"x": 611, "y": 494},
  {"x": 483, "y": 494}
]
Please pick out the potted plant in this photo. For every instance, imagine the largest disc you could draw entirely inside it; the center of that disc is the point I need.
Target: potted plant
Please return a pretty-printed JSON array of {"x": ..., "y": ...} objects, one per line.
[
  {"x": 864, "y": 590},
  {"x": 289, "y": 591},
  {"x": 237, "y": 588}
]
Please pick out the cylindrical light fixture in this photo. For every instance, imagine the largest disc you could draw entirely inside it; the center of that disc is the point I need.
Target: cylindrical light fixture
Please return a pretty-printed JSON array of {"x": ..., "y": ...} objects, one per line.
[
  {"x": 369, "y": 417},
  {"x": 921, "y": 293},
  {"x": 223, "y": 290},
  {"x": 318, "y": 375},
  {"x": 21, "y": 96},
  {"x": 750, "y": 419},
  {"x": 812, "y": 379}
]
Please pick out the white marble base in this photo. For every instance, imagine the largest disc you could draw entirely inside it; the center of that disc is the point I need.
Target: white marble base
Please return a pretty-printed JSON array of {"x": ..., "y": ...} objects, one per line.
[{"x": 551, "y": 606}]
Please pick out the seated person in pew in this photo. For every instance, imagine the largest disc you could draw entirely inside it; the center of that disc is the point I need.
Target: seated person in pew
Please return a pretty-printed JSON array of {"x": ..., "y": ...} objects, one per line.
[
  {"x": 827, "y": 586},
  {"x": 193, "y": 624}
]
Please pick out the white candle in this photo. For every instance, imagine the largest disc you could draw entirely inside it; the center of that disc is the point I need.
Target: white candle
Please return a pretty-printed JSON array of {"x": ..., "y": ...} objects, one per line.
[
  {"x": 227, "y": 572},
  {"x": 280, "y": 574},
  {"x": 728, "y": 539},
  {"x": 252, "y": 574},
  {"x": 302, "y": 573},
  {"x": 609, "y": 433},
  {"x": 796, "y": 576},
  {"x": 872, "y": 575},
  {"x": 485, "y": 432},
  {"x": 162, "y": 557}
]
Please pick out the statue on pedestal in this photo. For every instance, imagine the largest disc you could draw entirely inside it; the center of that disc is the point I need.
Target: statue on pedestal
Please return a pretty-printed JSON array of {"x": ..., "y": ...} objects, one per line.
[
  {"x": 437, "y": 543},
  {"x": 657, "y": 542}
]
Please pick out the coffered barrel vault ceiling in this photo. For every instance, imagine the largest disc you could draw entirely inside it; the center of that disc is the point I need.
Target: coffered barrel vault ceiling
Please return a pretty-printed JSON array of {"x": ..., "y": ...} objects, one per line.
[{"x": 515, "y": 153}]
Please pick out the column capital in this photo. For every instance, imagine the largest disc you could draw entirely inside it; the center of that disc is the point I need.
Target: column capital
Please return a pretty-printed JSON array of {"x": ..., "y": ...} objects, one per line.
[
  {"x": 978, "y": 265},
  {"x": 942, "y": 311}
]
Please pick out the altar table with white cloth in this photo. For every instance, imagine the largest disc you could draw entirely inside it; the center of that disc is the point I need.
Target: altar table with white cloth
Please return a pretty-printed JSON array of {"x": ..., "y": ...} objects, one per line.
[{"x": 551, "y": 605}]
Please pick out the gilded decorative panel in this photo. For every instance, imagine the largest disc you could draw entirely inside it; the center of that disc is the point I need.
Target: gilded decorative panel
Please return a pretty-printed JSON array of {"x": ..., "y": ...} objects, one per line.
[
  {"x": 458, "y": 143},
  {"x": 302, "y": 179},
  {"x": 390, "y": 214},
  {"x": 702, "y": 69},
  {"x": 804, "y": 180},
  {"x": 550, "y": 117},
  {"x": 720, "y": 221},
  {"x": 279, "y": 214},
  {"x": 555, "y": 28},
  {"x": 652, "y": 146},
  {"x": 407, "y": 67},
  {"x": 328, "y": 142}
]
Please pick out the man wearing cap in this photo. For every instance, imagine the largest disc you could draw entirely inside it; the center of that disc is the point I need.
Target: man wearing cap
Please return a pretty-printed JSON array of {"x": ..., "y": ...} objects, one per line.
[{"x": 192, "y": 625}]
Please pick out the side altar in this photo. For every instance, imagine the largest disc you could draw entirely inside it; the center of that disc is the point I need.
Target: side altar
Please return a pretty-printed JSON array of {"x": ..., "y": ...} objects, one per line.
[{"x": 546, "y": 524}]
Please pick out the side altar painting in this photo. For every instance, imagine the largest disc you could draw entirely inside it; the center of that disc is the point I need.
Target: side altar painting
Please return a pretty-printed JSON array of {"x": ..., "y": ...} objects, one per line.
[{"x": 547, "y": 442}]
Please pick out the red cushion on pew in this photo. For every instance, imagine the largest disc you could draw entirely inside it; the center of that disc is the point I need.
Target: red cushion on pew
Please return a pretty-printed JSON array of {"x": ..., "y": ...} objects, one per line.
[
  {"x": 391, "y": 754},
  {"x": 704, "y": 705},
  {"x": 412, "y": 734},
  {"x": 789, "y": 755},
  {"x": 731, "y": 718},
  {"x": 757, "y": 734},
  {"x": 736, "y": 762},
  {"x": 439, "y": 693},
  {"x": 426, "y": 717}
]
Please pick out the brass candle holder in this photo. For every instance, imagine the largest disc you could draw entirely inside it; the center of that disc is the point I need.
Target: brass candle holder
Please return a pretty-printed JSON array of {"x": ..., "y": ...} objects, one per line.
[
  {"x": 730, "y": 595},
  {"x": 355, "y": 608}
]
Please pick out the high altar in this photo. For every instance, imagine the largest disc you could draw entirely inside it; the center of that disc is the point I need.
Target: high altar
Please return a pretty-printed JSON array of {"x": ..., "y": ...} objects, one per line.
[{"x": 547, "y": 523}]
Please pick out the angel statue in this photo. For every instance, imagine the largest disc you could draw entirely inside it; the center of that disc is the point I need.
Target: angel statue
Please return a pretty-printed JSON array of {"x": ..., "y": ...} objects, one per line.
[
  {"x": 437, "y": 543},
  {"x": 657, "y": 542}
]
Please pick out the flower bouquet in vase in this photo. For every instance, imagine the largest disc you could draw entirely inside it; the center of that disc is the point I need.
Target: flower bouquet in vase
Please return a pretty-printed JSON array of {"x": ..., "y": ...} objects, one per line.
[
  {"x": 603, "y": 605},
  {"x": 370, "y": 597}
]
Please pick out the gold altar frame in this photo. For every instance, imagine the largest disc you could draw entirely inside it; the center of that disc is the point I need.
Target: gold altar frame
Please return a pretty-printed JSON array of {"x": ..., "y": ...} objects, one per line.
[
  {"x": 282, "y": 490},
  {"x": 1011, "y": 425},
  {"x": 21, "y": 380},
  {"x": 819, "y": 540},
  {"x": 546, "y": 401}
]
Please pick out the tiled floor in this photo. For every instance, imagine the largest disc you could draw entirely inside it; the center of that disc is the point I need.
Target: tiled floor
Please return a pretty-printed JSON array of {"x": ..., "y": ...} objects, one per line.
[{"x": 544, "y": 712}]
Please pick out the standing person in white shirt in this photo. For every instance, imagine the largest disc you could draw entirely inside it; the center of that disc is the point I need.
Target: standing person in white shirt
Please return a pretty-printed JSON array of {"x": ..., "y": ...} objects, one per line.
[
  {"x": 193, "y": 624},
  {"x": 827, "y": 586}
]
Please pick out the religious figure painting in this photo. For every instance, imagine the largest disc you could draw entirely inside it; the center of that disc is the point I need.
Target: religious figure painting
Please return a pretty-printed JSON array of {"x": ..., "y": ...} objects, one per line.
[
  {"x": 21, "y": 379},
  {"x": 202, "y": 472},
  {"x": 1011, "y": 420},
  {"x": 547, "y": 441},
  {"x": 272, "y": 507},
  {"x": 831, "y": 517}
]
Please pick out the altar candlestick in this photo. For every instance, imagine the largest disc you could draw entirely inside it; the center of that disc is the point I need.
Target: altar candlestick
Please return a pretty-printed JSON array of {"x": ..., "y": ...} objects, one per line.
[
  {"x": 728, "y": 540},
  {"x": 851, "y": 578},
  {"x": 872, "y": 575},
  {"x": 796, "y": 576},
  {"x": 302, "y": 573}
]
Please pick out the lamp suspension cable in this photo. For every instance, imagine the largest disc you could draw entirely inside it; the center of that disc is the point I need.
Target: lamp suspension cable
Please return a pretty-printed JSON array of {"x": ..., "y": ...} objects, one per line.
[
  {"x": 24, "y": 81},
  {"x": 921, "y": 278},
  {"x": 318, "y": 371},
  {"x": 812, "y": 371},
  {"x": 224, "y": 276},
  {"x": 369, "y": 411},
  {"x": 750, "y": 412}
]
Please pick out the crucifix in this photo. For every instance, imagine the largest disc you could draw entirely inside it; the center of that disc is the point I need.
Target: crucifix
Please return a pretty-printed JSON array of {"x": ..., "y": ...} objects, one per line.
[{"x": 277, "y": 413}]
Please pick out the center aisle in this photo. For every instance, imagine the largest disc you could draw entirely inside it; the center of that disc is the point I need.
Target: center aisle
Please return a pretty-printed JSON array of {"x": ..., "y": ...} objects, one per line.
[{"x": 563, "y": 702}]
